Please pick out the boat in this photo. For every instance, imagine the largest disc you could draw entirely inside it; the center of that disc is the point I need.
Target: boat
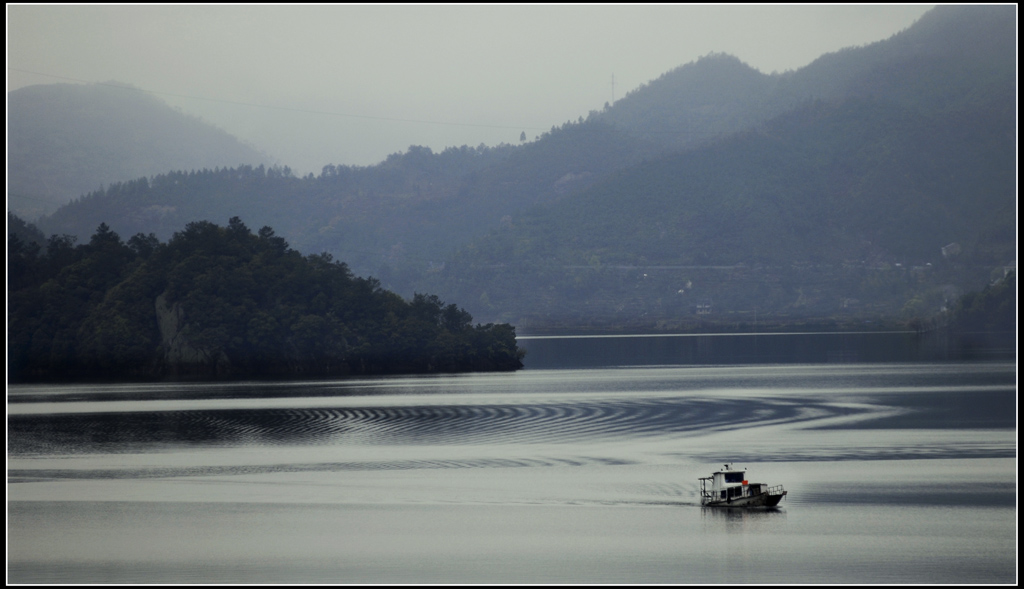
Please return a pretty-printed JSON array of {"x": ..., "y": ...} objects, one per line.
[{"x": 730, "y": 488}]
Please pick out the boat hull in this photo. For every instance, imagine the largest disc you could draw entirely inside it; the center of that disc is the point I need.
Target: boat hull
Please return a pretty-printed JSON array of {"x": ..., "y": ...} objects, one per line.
[{"x": 760, "y": 500}]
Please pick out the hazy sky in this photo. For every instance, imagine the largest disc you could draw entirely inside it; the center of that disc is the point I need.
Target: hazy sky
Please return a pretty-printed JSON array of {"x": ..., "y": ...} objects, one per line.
[{"x": 382, "y": 78}]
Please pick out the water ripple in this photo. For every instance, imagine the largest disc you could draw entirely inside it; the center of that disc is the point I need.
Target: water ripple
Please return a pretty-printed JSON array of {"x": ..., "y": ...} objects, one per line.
[{"x": 553, "y": 422}]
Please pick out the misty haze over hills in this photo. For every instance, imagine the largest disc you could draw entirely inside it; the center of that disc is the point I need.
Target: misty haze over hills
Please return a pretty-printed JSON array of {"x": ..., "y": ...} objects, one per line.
[
  {"x": 65, "y": 140},
  {"x": 714, "y": 191}
]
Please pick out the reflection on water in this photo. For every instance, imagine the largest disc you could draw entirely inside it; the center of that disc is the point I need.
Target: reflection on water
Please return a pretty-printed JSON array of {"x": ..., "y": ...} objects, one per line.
[
  {"x": 896, "y": 473},
  {"x": 742, "y": 348},
  {"x": 735, "y": 520},
  {"x": 560, "y": 421}
]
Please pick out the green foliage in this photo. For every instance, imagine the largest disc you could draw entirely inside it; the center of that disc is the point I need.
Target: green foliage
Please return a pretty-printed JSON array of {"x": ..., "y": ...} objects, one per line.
[
  {"x": 240, "y": 303},
  {"x": 24, "y": 243},
  {"x": 993, "y": 310},
  {"x": 26, "y": 232}
]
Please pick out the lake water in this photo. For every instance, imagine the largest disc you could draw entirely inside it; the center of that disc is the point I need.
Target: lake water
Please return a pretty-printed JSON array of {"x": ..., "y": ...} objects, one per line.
[{"x": 896, "y": 473}]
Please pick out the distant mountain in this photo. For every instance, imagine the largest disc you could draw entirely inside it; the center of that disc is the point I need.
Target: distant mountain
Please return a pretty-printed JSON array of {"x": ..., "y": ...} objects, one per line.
[
  {"x": 703, "y": 100},
  {"x": 823, "y": 209},
  {"x": 395, "y": 220},
  {"x": 848, "y": 174},
  {"x": 801, "y": 194},
  {"x": 64, "y": 140},
  {"x": 953, "y": 55}
]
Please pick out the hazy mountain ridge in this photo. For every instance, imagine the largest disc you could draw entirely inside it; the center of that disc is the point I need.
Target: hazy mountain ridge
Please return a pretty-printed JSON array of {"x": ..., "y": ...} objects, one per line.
[
  {"x": 65, "y": 140},
  {"x": 892, "y": 152},
  {"x": 822, "y": 207},
  {"x": 399, "y": 220},
  {"x": 970, "y": 49},
  {"x": 345, "y": 205},
  {"x": 393, "y": 219},
  {"x": 708, "y": 98}
]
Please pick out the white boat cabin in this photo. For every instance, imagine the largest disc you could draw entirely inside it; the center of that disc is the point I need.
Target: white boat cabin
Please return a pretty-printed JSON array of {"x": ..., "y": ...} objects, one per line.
[{"x": 730, "y": 486}]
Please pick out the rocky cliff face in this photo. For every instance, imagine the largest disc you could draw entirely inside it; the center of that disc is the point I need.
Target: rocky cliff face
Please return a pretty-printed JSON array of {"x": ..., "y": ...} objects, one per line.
[{"x": 179, "y": 355}]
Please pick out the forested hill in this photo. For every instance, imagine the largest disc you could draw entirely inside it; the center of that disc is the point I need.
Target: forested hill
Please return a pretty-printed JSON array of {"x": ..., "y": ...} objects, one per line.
[
  {"x": 845, "y": 174},
  {"x": 951, "y": 57},
  {"x": 394, "y": 220},
  {"x": 832, "y": 210},
  {"x": 841, "y": 206},
  {"x": 65, "y": 140},
  {"x": 703, "y": 100},
  {"x": 220, "y": 302}
]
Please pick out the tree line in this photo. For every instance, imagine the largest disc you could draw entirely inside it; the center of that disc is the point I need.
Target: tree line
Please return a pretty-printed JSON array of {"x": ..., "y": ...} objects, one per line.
[{"x": 220, "y": 302}]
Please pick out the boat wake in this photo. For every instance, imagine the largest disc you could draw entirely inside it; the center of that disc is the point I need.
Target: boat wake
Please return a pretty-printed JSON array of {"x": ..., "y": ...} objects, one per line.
[{"x": 426, "y": 424}]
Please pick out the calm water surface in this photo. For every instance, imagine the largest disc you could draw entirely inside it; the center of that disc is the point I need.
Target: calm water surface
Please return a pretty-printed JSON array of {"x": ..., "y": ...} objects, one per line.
[{"x": 897, "y": 473}]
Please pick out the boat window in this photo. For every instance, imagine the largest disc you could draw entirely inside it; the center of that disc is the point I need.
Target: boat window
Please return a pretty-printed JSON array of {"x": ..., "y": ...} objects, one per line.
[{"x": 734, "y": 477}]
